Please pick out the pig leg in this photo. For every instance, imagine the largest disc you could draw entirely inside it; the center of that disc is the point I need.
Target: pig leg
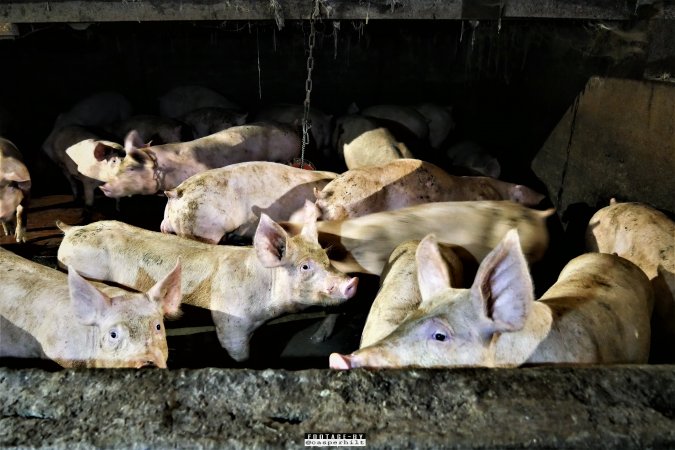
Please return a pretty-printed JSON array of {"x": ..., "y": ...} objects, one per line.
[
  {"x": 234, "y": 334},
  {"x": 7, "y": 228},
  {"x": 89, "y": 189},
  {"x": 325, "y": 329},
  {"x": 20, "y": 224}
]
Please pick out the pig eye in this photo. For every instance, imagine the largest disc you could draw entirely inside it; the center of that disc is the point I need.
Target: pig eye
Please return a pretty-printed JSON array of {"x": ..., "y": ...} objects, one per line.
[
  {"x": 158, "y": 327},
  {"x": 113, "y": 334},
  {"x": 305, "y": 267},
  {"x": 440, "y": 336}
]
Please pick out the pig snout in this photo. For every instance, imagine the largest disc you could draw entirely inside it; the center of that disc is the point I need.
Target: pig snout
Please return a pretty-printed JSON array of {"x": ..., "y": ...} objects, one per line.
[
  {"x": 340, "y": 362},
  {"x": 154, "y": 358},
  {"x": 166, "y": 227},
  {"x": 345, "y": 290},
  {"x": 107, "y": 191}
]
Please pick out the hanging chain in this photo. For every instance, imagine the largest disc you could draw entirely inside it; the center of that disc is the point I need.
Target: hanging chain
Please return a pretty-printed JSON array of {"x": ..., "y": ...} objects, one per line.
[{"x": 306, "y": 122}]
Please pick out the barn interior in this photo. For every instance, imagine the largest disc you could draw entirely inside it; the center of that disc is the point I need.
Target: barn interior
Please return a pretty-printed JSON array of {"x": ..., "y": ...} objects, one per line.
[{"x": 575, "y": 99}]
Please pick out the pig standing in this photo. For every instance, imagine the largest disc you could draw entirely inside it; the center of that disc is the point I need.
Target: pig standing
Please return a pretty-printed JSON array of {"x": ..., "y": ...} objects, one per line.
[
  {"x": 211, "y": 204},
  {"x": 407, "y": 182},
  {"x": 85, "y": 142},
  {"x": 210, "y": 120},
  {"x": 399, "y": 293},
  {"x": 363, "y": 244},
  {"x": 440, "y": 122},
  {"x": 148, "y": 170},
  {"x": 183, "y": 99},
  {"x": 243, "y": 287},
  {"x": 14, "y": 191},
  {"x": 645, "y": 237},
  {"x": 596, "y": 313},
  {"x": 404, "y": 115},
  {"x": 46, "y": 314},
  {"x": 154, "y": 129},
  {"x": 293, "y": 114}
]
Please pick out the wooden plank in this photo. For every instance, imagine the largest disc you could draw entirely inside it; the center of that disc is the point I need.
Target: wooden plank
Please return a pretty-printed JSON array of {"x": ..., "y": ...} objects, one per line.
[{"x": 35, "y": 11}]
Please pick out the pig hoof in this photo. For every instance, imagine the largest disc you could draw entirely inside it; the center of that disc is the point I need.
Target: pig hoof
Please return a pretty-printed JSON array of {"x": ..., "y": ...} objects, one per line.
[{"x": 338, "y": 362}]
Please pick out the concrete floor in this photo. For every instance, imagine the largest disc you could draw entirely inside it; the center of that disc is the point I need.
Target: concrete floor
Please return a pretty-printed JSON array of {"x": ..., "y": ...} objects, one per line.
[{"x": 594, "y": 407}]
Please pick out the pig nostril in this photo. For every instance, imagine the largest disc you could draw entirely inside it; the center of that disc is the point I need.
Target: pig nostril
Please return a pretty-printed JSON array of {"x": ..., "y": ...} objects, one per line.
[{"x": 148, "y": 365}]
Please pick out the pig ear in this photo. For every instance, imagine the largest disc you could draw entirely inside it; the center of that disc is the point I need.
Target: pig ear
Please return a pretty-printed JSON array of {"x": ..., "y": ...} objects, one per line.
[
  {"x": 171, "y": 193},
  {"x": 106, "y": 152},
  {"x": 502, "y": 290},
  {"x": 432, "y": 272},
  {"x": 88, "y": 302},
  {"x": 133, "y": 141},
  {"x": 167, "y": 292},
  {"x": 311, "y": 213},
  {"x": 270, "y": 242}
]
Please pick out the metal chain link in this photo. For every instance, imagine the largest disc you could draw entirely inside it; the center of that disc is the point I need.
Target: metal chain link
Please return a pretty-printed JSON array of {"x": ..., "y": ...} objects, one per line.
[{"x": 306, "y": 122}]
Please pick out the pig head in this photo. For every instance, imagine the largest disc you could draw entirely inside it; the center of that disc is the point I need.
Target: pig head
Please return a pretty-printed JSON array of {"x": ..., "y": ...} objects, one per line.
[
  {"x": 46, "y": 314},
  {"x": 136, "y": 173},
  {"x": 15, "y": 187},
  {"x": 597, "y": 312},
  {"x": 96, "y": 159}
]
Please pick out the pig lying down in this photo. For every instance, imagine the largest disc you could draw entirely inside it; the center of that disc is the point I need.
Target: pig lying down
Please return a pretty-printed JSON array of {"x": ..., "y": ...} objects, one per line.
[
  {"x": 242, "y": 286},
  {"x": 149, "y": 170},
  {"x": 645, "y": 237},
  {"x": 210, "y": 205},
  {"x": 408, "y": 182},
  {"x": 46, "y": 314},
  {"x": 364, "y": 244},
  {"x": 14, "y": 191},
  {"x": 597, "y": 312}
]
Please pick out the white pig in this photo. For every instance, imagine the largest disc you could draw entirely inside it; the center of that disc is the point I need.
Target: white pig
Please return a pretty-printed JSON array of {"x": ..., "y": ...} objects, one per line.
[
  {"x": 71, "y": 135},
  {"x": 47, "y": 314},
  {"x": 399, "y": 293},
  {"x": 293, "y": 114},
  {"x": 362, "y": 142},
  {"x": 242, "y": 286},
  {"x": 212, "y": 204},
  {"x": 148, "y": 170},
  {"x": 596, "y": 313},
  {"x": 407, "y": 182},
  {"x": 183, "y": 99},
  {"x": 363, "y": 244},
  {"x": 404, "y": 115},
  {"x": 646, "y": 237},
  {"x": 440, "y": 122},
  {"x": 14, "y": 191},
  {"x": 212, "y": 119}
]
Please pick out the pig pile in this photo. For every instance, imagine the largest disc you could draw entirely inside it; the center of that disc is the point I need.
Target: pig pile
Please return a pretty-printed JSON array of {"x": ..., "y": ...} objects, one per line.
[{"x": 452, "y": 250}]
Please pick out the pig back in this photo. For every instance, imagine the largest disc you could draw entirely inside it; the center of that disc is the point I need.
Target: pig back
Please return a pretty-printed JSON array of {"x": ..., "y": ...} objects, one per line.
[{"x": 601, "y": 307}]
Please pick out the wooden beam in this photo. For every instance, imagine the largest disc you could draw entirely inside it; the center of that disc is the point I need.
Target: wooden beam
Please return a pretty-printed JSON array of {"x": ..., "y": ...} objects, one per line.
[{"x": 36, "y": 11}]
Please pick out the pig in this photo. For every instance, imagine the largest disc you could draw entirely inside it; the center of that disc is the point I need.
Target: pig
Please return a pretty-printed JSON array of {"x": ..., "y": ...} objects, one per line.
[
  {"x": 646, "y": 237},
  {"x": 476, "y": 159},
  {"x": 399, "y": 293},
  {"x": 293, "y": 114},
  {"x": 408, "y": 182},
  {"x": 212, "y": 204},
  {"x": 362, "y": 142},
  {"x": 597, "y": 312},
  {"x": 363, "y": 244},
  {"x": 14, "y": 191},
  {"x": 183, "y": 99},
  {"x": 148, "y": 170},
  {"x": 212, "y": 119},
  {"x": 86, "y": 142},
  {"x": 405, "y": 115},
  {"x": 49, "y": 315},
  {"x": 440, "y": 122},
  {"x": 154, "y": 129},
  {"x": 242, "y": 286}
]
